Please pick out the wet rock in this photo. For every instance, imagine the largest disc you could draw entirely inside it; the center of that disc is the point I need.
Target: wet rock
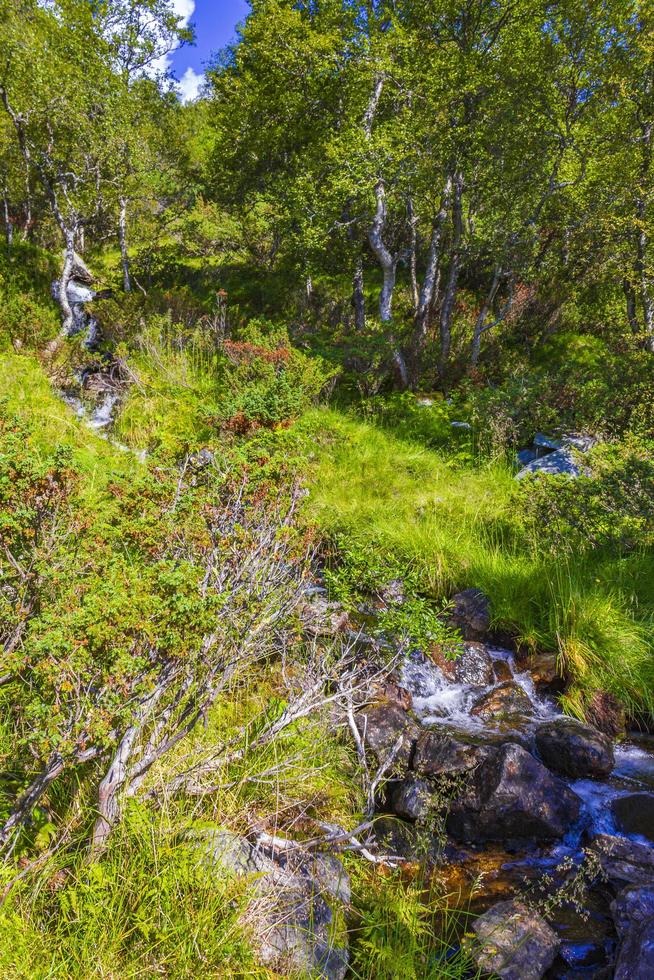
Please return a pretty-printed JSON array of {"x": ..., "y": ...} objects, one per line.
[
  {"x": 572, "y": 749},
  {"x": 472, "y": 666},
  {"x": 544, "y": 669},
  {"x": 606, "y": 714},
  {"x": 507, "y": 700},
  {"x": 448, "y": 752},
  {"x": 542, "y": 441},
  {"x": 410, "y": 799},
  {"x": 512, "y": 795},
  {"x": 633, "y": 904},
  {"x": 633, "y": 912},
  {"x": 502, "y": 671},
  {"x": 514, "y": 943},
  {"x": 634, "y": 814},
  {"x": 526, "y": 456},
  {"x": 471, "y": 613},
  {"x": 624, "y": 862},
  {"x": 295, "y": 913},
  {"x": 387, "y": 728},
  {"x": 392, "y": 692}
]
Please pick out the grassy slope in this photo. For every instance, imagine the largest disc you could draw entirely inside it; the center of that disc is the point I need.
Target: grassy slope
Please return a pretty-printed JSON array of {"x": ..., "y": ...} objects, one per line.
[
  {"x": 147, "y": 908},
  {"x": 457, "y": 527}
]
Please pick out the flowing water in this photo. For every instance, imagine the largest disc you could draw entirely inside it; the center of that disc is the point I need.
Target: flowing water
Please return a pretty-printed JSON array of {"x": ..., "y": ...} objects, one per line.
[{"x": 478, "y": 876}]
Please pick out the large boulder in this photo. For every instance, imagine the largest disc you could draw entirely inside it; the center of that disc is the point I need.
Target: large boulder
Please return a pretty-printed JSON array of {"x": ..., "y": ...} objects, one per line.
[
  {"x": 514, "y": 942},
  {"x": 634, "y": 814},
  {"x": 507, "y": 700},
  {"x": 624, "y": 862},
  {"x": 572, "y": 749},
  {"x": 473, "y": 665},
  {"x": 559, "y": 463},
  {"x": 512, "y": 795},
  {"x": 633, "y": 912},
  {"x": 471, "y": 613},
  {"x": 387, "y": 729},
  {"x": 440, "y": 752},
  {"x": 294, "y": 915}
]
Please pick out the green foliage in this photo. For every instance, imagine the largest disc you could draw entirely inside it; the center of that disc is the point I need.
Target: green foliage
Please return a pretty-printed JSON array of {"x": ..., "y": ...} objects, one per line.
[
  {"x": 148, "y": 908},
  {"x": 610, "y": 510},
  {"x": 404, "y": 929},
  {"x": 446, "y": 528}
]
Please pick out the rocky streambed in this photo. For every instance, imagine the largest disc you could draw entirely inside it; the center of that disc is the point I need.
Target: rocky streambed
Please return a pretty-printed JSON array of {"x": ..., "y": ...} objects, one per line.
[{"x": 543, "y": 827}]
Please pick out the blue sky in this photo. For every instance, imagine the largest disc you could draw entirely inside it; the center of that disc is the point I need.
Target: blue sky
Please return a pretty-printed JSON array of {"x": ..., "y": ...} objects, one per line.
[{"x": 215, "y": 23}]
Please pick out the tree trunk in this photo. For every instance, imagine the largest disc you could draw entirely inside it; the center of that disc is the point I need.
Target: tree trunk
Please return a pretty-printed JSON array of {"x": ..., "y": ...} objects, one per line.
[
  {"x": 642, "y": 244},
  {"x": 67, "y": 324},
  {"x": 122, "y": 235},
  {"x": 413, "y": 255},
  {"x": 449, "y": 297},
  {"x": 429, "y": 283},
  {"x": 480, "y": 324},
  {"x": 386, "y": 259},
  {"x": 9, "y": 228},
  {"x": 358, "y": 297},
  {"x": 632, "y": 314}
]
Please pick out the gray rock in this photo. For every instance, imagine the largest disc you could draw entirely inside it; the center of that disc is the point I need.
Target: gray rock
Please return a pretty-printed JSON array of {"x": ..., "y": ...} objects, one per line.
[
  {"x": 471, "y": 613},
  {"x": 410, "y": 799},
  {"x": 559, "y": 463},
  {"x": 526, "y": 456},
  {"x": 634, "y": 814},
  {"x": 624, "y": 862},
  {"x": 439, "y": 753},
  {"x": 382, "y": 727},
  {"x": 572, "y": 749},
  {"x": 633, "y": 904},
  {"x": 461, "y": 425},
  {"x": 514, "y": 943},
  {"x": 294, "y": 916},
  {"x": 633, "y": 912},
  {"x": 512, "y": 795},
  {"x": 472, "y": 665},
  {"x": 546, "y": 442},
  {"x": 507, "y": 700}
]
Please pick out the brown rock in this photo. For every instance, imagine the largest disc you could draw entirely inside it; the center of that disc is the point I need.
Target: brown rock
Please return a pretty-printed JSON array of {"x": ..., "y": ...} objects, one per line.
[
  {"x": 544, "y": 669},
  {"x": 471, "y": 613},
  {"x": 606, "y": 713},
  {"x": 502, "y": 671},
  {"x": 506, "y": 700},
  {"x": 473, "y": 665}
]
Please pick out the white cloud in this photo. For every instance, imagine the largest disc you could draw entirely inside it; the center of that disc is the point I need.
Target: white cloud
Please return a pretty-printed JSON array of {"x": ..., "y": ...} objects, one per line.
[
  {"x": 190, "y": 85},
  {"x": 184, "y": 9}
]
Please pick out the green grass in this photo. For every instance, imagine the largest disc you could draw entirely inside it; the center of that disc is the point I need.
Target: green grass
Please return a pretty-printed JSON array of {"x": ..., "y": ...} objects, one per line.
[{"x": 455, "y": 526}]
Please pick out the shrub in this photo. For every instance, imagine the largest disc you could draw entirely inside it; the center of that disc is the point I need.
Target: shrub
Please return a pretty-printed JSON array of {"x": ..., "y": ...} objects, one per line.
[{"x": 611, "y": 509}]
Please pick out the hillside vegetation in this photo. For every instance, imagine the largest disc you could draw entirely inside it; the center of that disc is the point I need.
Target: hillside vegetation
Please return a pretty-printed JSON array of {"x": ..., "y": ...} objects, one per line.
[{"x": 267, "y": 359}]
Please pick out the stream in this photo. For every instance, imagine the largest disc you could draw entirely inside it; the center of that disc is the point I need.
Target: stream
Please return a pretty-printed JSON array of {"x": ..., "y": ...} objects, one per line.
[{"x": 478, "y": 875}]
